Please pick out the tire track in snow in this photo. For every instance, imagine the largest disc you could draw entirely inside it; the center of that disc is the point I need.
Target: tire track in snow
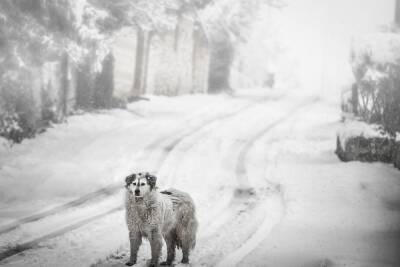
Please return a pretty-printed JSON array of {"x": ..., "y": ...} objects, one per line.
[
  {"x": 32, "y": 244},
  {"x": 112, "y": 189},
  {"x": 174, "y": 144},
  {"x": 272, "y": 202},
  {"x": 244, "y": 200},
  {"x": 109, "y": 190}
]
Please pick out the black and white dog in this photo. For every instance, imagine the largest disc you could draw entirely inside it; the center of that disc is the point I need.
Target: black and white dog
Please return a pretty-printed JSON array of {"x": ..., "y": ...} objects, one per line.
[{"x": 154, "y": 215}]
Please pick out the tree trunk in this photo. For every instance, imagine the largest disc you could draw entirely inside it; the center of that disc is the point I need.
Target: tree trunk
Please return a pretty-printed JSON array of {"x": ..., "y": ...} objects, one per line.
[
  {"x": 141, "y": 63},
  {"x": 64, "y": 88},
  {"x": 354, "y": 98},
  {"x": 200, "y": 60},
  {"x": 221, "y": 59},
  {"x": 104, "y": 84},
  {"x": 84, "y": 86},
  {"x": 148, "y": 36}
]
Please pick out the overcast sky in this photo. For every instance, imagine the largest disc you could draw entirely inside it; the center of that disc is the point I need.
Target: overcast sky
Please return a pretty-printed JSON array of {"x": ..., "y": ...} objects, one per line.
[{"x": 319, "y": 34}]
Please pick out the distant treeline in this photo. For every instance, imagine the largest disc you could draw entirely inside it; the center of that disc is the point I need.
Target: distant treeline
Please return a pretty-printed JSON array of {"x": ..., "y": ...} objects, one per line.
[{"x": 56, "y": 57}]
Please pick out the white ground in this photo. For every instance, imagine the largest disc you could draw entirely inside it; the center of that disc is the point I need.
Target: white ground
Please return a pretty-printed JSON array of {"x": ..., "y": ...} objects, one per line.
[{"x": 260, "y": 166}]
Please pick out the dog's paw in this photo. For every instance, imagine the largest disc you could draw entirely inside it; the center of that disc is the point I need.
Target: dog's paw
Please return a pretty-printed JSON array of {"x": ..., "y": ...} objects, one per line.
[
  {"x": 166, "y": 263},
  {"x": 185, "y": 261},
  {"x": 130, "y": 263}
]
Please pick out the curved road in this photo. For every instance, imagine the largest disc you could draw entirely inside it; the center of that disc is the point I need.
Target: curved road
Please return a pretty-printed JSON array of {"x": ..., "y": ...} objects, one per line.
[{"x": 231, "y": 163}]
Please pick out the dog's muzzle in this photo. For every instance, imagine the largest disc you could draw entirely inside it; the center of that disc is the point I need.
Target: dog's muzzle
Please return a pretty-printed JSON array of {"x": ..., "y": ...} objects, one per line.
[{"x": 137, "y": 192}]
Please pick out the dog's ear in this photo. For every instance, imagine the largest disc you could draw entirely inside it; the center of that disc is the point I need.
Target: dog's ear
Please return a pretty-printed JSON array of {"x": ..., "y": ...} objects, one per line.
[
  {"x": 129, "y": 179},
  {"x": 151, "y": 180}
]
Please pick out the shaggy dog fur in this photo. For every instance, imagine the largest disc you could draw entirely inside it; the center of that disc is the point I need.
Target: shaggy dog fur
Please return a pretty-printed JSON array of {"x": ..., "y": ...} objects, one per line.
[{"x": 154, "y": 215}]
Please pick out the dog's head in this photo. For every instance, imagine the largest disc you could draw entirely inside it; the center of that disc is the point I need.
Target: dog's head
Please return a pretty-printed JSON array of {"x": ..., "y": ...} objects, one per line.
[{"x": 140, "y": 184}]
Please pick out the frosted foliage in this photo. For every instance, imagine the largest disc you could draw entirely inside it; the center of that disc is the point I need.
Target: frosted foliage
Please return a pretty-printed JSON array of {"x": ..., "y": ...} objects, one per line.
[
  {"x": 353, "y": 128},
  {"x": 381, "y": 48},
  {"x": 232, "y": 28},
  {"x": 9, "y": 124},
  {"x": 162, "y": 74},
  {"x": 260, "y": 60},
  {"x": 374, "y": 75},
  {"x": 148, "y": 15},
  {"x": 178, "y": 61}
]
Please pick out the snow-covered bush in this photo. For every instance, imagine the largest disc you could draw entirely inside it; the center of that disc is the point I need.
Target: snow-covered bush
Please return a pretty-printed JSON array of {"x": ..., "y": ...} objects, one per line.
[
  {"x": 376, "y": 67},
  {"x": 375, "y": 99},
  {"x": 45, "y": 47},
  {"x": 357, "y": 140},
  {"x": 10, "y": 127},
  {"x": 41, "y": 42}
]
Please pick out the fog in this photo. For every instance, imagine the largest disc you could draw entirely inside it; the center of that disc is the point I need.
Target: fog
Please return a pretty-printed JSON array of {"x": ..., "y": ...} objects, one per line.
[{"x": 279, "y": 119}]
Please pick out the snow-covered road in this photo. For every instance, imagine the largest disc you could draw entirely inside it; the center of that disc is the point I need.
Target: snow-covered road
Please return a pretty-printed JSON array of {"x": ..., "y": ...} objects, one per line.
[{"x": 260, "y": 166}]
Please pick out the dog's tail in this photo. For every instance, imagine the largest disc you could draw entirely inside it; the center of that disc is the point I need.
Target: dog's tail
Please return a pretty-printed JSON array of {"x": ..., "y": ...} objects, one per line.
[{"x": 185, "y": 212}]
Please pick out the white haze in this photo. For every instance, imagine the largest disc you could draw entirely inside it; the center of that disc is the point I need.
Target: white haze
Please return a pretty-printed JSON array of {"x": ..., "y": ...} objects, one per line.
[{"x": 318, "y": 35}]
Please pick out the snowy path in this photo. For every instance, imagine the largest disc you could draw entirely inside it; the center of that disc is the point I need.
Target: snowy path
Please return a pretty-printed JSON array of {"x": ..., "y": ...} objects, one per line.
[
  {"x": 232, "y": 155},
  {"x": 103, "y": 198},
  {"x": 337, "y": 214}
]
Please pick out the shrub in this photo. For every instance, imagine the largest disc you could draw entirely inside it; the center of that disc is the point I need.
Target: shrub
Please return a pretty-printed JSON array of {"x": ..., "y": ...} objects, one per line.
[{"x": 376, "y": 92}]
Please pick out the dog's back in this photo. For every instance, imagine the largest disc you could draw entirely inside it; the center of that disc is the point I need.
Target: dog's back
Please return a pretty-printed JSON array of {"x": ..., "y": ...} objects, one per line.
[{"x": 184, "y": 210}]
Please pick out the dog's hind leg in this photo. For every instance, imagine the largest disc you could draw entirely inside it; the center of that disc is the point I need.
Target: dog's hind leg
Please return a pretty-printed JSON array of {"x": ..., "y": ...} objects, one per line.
[
  {"x": 170, "y": 239},
  {"x": 185, "y": 252},
  {"x": 186, "y": 239},
  {"x": 156, "y": 244},
  {"x": 135, "y": 239}
]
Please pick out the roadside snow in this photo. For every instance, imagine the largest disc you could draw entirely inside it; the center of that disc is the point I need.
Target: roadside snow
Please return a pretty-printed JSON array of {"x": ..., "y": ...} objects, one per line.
[
  {"x": 352, "y": 128},
  {"x": 260, "y": 166},
  {"x": 90, "y": 151},
  {"x": 337, "y": 214}
]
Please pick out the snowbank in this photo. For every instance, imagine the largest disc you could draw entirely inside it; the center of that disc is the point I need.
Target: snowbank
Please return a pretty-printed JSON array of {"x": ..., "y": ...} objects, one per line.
[
  {"x": 353, "y": 128},
  {"x": 360, "y": 141},
  {"x": 94, "y": 150}
]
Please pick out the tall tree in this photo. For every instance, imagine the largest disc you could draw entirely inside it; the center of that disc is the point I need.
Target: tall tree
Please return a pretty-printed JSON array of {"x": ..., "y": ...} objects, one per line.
[
  {"x": 64, "y": 88},
  {"x": 104, "y": 84},
  {"x": 228, "y": 23},
  {"x": 142, "y": 57}
]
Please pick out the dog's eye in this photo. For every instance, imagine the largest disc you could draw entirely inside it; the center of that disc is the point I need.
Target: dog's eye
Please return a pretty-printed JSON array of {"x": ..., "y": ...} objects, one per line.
[
  {"x": 142, "y": 184},
  {"x": 134, "y": 183}
]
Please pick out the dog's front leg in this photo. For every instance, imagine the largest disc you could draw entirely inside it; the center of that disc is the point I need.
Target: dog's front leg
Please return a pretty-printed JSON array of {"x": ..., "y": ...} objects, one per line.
[
  {"x": 135, "y": 239},
  {"x": 156, "y": 244},
  {"x": 171, "y": 243}
]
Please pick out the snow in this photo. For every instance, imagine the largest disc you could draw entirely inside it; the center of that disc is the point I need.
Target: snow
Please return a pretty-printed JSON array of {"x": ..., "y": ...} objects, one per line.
[
  {"x": 336, "y": 214},
  {"x": 87, "y": 140},
  {"x": 381, "y": 47},
  {"x": 352, "y": 128},
  {"x": 260, "y": 166},
  {"x": 374, "y": 75}
]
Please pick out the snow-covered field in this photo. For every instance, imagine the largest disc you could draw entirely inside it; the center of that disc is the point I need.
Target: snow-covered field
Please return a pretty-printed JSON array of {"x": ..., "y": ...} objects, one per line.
[{"x": 260, "y": 166}]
